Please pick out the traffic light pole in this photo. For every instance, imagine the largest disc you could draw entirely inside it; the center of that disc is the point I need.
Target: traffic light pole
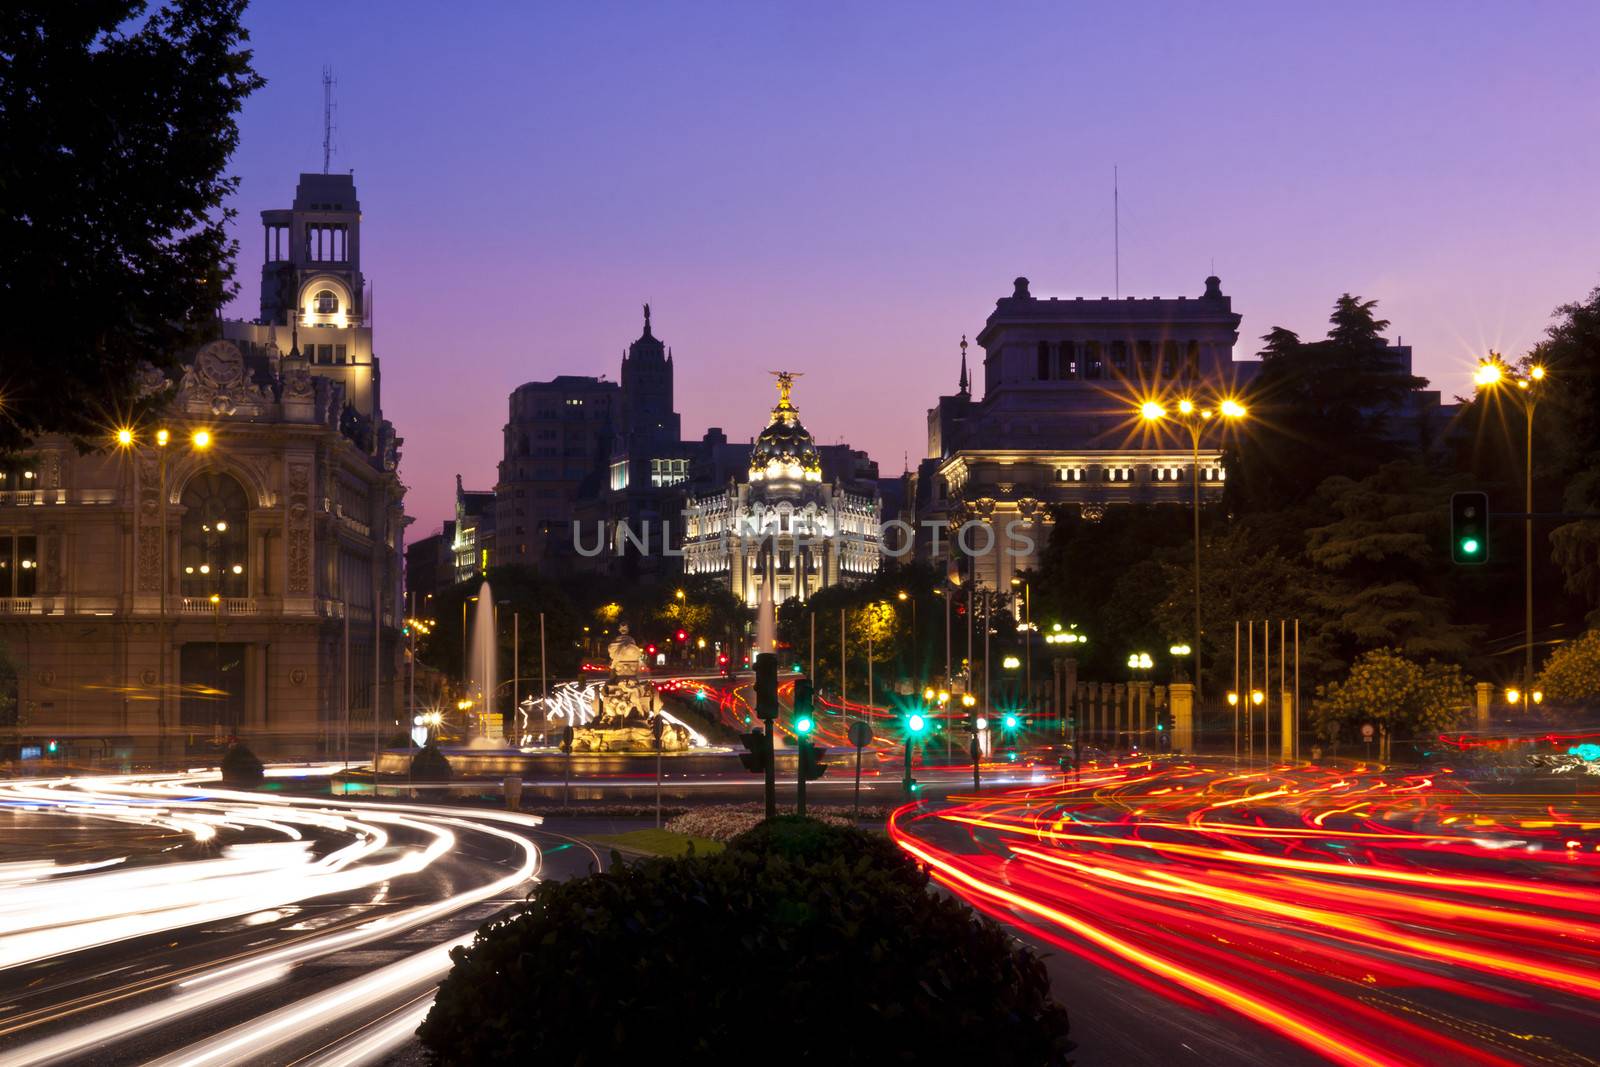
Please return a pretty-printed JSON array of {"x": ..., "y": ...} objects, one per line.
[
  {"x": 803, "y": 747},
  {"x": 772, "y": 774}
]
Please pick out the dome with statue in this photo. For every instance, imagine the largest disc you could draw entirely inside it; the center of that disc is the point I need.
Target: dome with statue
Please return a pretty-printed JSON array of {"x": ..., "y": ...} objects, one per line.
[{"x": 785, "y": 450}]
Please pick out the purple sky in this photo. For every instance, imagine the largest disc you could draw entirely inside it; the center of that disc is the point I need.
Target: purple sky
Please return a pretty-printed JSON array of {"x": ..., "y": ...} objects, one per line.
[{"x": 845, "y": 189}]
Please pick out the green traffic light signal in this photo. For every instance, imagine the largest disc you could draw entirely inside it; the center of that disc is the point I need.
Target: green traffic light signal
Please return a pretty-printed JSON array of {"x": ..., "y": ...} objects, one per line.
[
  {"x": 1470, "y": 546},
  {"x": 1010, "y": 722},
  {"x": 1469, "y": 528},
  {"x": 804, "y": 724},
  {"x": 916, "y": 723}
]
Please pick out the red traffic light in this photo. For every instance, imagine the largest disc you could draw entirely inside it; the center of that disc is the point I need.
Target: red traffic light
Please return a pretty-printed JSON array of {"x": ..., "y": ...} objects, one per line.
[
  {"x": 683, "y": 635},
  {"x": 650, "y": 649}
]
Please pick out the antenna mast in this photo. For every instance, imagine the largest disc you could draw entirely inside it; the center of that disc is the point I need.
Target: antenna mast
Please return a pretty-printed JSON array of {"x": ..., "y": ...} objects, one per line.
[
  {"x": 327, "y": 118},
  {"x": 1116, "y": 233}
]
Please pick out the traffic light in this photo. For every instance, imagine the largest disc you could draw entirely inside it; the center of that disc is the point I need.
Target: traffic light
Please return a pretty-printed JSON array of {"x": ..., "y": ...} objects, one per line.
[
  {"x": 916, "y": 725},
  {"x": 1469, "y": 528},
  {"x": 755, "y": 760},
  {"x": 52, "y": 747},
  {"x": 811, "y": 765},
  {"x": 1010, "y": 723},
  {"x": 683, "y": 635},
  {"x": 767, "y": 685},
  {"x": 805, "y": 702},
  {"x": 804, "y": 724}
]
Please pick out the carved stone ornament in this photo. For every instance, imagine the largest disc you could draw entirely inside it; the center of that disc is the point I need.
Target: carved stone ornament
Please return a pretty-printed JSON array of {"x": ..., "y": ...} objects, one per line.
[
  {"x": 220, "y": 365},
  {"x": 299, "y": 535},
  {"x": 297, "y": 676}
]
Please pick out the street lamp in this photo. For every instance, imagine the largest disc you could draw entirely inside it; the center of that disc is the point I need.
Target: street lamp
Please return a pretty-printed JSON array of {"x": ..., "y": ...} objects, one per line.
[
  {"x": 1491, "y": 374},
  {"x": 1195, "y": 417}
]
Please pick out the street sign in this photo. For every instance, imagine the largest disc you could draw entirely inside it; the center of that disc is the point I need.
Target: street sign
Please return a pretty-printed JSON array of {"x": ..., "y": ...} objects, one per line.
[
  {"x": 1367, "y": 731},
  {"x": 860, "y": 734}
]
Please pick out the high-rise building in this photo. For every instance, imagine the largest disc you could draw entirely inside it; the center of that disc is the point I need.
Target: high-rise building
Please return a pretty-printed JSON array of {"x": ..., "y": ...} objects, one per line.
[
  {"x": 232, "y": 567},
  {"x": 557, "y": 435}
]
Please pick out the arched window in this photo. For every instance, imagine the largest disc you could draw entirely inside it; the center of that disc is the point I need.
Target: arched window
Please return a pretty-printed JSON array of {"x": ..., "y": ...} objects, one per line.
[
  {"x": 215, "y": 540},
  {"x": 327, "y": 302}
]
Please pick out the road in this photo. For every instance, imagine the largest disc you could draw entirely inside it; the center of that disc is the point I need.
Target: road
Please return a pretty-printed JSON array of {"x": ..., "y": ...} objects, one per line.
[
  {"x": 1197, "y": 914},
  {"x": 161, "y": 919}
]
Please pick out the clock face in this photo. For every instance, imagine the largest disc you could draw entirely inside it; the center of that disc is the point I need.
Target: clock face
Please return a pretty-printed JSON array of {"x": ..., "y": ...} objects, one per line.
[{"x": 220, "y": 362}]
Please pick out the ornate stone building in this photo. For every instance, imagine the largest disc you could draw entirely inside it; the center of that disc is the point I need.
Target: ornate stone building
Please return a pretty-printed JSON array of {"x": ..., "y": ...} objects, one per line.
[
  {"x": 233, "y": 566},
  {"x": 1058, "y": 424},
  {"x": 784, "y": 524}
]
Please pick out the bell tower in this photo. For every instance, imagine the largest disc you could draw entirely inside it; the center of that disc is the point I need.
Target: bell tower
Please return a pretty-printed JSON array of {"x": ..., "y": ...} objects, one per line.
[{"x": 311, "y": 275}]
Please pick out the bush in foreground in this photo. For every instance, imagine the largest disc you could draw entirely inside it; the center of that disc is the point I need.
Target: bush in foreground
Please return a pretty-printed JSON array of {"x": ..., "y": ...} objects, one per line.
[
  {"x": 796, "y": 943},
  {"x": 241, "y": 767}
]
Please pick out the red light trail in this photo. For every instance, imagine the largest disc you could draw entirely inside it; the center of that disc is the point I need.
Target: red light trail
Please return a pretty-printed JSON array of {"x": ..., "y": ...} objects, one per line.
[{"x": 1373, "y": 918}]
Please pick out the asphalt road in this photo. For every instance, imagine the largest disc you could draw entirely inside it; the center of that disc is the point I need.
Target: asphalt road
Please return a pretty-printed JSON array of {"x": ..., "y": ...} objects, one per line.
[
  {"x": 1193, "y": 913},
  {"x": 155, "y": 919}
]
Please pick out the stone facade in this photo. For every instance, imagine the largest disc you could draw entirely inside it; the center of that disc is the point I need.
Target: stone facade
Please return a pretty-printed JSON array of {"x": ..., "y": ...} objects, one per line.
[
  {"x": 1058, "y": 424},
  {"x": 243, "y": 576},
  {"x": 784, "y": 524}
]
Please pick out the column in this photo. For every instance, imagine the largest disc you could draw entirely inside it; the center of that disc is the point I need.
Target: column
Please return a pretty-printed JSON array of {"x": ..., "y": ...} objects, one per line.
[
  {"x": 1484, "y": 691},
  {"x": 1181, "y": 694},
  {"x": 1289, "y": 729}
]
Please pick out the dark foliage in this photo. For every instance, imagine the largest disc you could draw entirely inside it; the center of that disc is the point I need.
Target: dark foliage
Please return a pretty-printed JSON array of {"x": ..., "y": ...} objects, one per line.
[
  {"x": 241, "y": 767},
  {"x": 806, "y": 841},
  {"x": 754, "y": 953},
  {"x": 117, "y": 124},
  {"x": 430, "y": 765}
]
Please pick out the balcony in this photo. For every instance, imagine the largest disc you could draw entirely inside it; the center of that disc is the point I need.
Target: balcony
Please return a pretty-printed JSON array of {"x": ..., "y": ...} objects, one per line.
[
  {"x": 18, "y": 605},
  {"x": 228, "y": 605}
]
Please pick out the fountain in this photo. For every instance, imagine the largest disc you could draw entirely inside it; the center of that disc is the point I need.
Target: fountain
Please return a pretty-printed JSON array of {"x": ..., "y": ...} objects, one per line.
[
  {"x": 625, "y": 706},
  {"x": 481, "y": 661},
  {"x": 766, "y": 618}
]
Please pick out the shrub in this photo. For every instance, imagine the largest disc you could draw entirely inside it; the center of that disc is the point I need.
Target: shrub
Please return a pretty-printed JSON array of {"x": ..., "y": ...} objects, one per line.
[
  {"x": 429, "y": 764},
  {"x": 724, "y": 822},
  {"x": 240, "y": 767},
  {"x": 841, "y": 957}
]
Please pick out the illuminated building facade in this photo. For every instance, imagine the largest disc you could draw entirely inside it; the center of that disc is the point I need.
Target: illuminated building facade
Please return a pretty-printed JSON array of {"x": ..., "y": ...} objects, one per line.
[
  {"x": 1058, "y": 426},
  {"x": 239, "y": 576},
  {"x": 784, "y": 524}
]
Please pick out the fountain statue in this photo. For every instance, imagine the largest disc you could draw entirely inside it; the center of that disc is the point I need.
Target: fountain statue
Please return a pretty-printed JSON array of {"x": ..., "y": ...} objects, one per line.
[{"x": 625, "y": 707}]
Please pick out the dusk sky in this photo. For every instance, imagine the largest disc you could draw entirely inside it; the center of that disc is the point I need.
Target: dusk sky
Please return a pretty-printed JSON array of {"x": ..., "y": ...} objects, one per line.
[{"x": 844, "y": 190}]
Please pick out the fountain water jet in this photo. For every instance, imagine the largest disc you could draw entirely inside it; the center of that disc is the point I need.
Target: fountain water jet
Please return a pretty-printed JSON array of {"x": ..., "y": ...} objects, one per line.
[{"x": 481, "y": 661}]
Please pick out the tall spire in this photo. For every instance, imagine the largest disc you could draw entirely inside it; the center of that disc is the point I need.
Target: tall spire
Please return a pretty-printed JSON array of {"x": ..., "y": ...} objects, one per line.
[
  {"x": 647, "y": 320},
  {"x": 966, "y": 384}
]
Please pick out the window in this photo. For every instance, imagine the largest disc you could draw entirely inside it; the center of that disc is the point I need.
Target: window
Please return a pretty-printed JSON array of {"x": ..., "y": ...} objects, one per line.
[
  {"x": 339, "y": 352},
  {"x": 1093, "y": 367},
  {"x": 1119, "y": 357},
  {"x": 1118, "y": 474},
  {"x": 1147, "y": 359},
  {"x": 19, "y": 565},
  {"x": 324, "y": 353},
  {"x": 1067, "y": 365},
  {"x": 665, "y": 472},
  {"x": 213, "y": 552},
  {"x": 1043, "y": 370},
  {"x": 1069, "y": 474},
  {"x": 1191, "y": 361},
  {"x": 327, "y": 303},
  {"x": 1169, "y": 359}
]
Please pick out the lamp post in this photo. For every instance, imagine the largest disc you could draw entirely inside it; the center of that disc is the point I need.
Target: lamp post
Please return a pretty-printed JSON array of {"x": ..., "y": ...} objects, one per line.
[
  {"x": 1194, "y": 418},
  {"x": 1490, "y": 375}
]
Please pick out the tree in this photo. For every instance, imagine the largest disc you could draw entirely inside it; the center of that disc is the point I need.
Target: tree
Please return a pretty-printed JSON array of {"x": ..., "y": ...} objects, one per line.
[
  {"x": 1319, "y": 409},
  {"x": 1384, "y": 566},
  {"x": 118, "y": 124},
  {"x": 1572, "y": 672},
  {"x": 1403, "y": 698}
]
